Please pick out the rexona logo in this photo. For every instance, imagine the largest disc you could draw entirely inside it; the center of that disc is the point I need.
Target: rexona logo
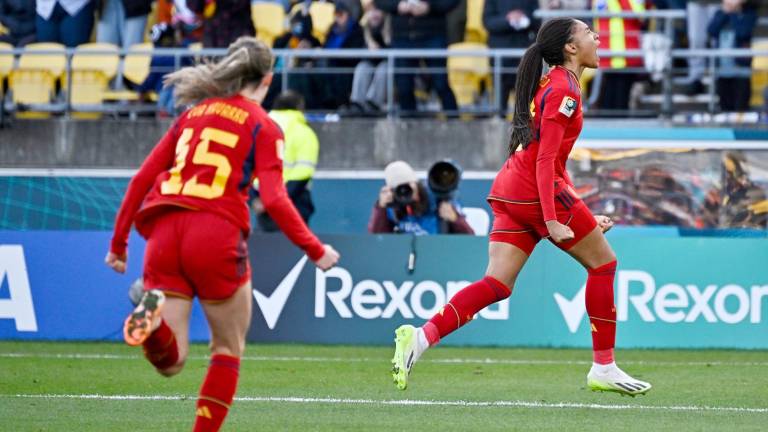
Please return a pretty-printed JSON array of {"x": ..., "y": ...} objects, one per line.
[
  {"x": 13, "y": 273},
  {"x": 672, "y": 302},
  {"x": 335, "y": 290}
]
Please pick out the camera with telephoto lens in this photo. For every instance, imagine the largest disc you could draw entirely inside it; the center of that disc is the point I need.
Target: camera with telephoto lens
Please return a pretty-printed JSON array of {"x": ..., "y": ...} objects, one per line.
[
  {"x": 403, "y": 195},
  {"x": 443, "y": 179}
]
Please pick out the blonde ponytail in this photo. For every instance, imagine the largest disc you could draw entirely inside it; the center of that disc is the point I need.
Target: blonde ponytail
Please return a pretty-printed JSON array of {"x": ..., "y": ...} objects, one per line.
[{"x": 247, "y": 61}]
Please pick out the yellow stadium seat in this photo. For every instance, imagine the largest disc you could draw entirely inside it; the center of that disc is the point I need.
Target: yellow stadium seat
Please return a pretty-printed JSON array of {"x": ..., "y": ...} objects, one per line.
[
  {"x": 34, "y": 80},
  {"x": 136, "y": 63},
  {"x": 106, "y": 61},
  {"x": 91, "y": 74},
  {"x": 322, "y": 17},
  {"x": 475, "y": 30},
  {"x": 759, "y": 74},
  {"x": 467, "y": 74},
  {"x": 53, "y": 63},
  {"x": 269, "y": 21},
  {"x": 136, "y": 68}
]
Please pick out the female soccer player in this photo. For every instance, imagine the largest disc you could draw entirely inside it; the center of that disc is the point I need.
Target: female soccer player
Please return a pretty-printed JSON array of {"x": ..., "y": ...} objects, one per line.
[
  {"x": 188, "y": 200},
  {"x": 533, "y": 198}
]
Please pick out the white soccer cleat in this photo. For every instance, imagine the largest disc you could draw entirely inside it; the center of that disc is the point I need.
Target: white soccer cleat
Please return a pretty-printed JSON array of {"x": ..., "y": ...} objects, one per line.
[
  {"x": 611, "y": 378},
  {"x": 408, "y": 349}
]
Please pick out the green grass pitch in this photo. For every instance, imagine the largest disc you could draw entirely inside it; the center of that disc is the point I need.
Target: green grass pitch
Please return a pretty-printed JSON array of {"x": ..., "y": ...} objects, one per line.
[{"x": 109, "y": 387}]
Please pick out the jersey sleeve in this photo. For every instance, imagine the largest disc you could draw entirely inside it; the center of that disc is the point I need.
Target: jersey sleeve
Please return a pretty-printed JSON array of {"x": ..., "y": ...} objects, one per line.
[
  {"x": 160, "y": 159},
  {"x": 269, "y": 169},
  {"x": 560, "y": 106}
]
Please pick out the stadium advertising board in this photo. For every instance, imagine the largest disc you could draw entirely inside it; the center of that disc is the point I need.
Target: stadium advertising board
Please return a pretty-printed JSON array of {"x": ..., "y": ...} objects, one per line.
[{"x": 670, "y": 292}]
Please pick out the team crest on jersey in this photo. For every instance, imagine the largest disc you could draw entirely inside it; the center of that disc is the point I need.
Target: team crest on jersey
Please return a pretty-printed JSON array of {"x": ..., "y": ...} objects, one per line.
[{"x": 568, "y": 106}]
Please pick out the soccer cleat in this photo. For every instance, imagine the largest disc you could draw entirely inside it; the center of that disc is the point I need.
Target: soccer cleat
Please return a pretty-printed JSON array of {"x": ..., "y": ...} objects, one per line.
[
  {"x": 613, "y": 379},
  {"x": 406, "y": 353},
  {"x": 142, "y": 321}
]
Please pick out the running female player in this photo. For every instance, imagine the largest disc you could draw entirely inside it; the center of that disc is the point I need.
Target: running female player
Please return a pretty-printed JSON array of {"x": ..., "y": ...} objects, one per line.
[
  {"x": 188, "y": 200},
  {"x": 533, "y": 198}
]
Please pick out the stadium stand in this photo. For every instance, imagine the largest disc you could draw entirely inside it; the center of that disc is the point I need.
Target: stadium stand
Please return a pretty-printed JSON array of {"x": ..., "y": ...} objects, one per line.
[{"x": 34, "y": 80}]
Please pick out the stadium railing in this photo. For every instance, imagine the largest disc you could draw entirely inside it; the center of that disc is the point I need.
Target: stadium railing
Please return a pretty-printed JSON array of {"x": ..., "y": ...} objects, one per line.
[{"x": 63, "y": 104}]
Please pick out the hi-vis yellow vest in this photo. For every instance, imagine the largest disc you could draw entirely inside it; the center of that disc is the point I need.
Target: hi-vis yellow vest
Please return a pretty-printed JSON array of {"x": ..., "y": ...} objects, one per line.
[{"x": 301, "y": 145}]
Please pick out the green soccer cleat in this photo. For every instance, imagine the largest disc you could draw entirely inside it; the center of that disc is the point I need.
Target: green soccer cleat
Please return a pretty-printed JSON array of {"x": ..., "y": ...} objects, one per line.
[
  {"x": 406, "y": 353},
  {"x": 613, "y": 379}
]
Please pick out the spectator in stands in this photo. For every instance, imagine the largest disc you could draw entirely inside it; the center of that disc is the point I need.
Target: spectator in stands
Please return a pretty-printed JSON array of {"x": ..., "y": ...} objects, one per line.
[
  {"x": 420, "y": 24},
  {"x": 18, "y": 18},
  {"x": 122, "y": 22},
  {"x": 299, "y": 36},
  {"x": 618, "y": 34},
  {"x": 732, "y": 27},
  {"x": 369, "y": 84},
  {"x": 299, "y": 161},
  {"x": 345, "y": 33},
  {"x": 223, "y": 20},
  {"x": 177, "y": 14},
  {"x": 355, "y": 7},
  {"x": 68, "y": 22},
  {"x": 406, "y": 205},
  {"x": 700, "y": 12},
  {"x": 510, "y": 24},
  {"x": 564, "y": 4}
]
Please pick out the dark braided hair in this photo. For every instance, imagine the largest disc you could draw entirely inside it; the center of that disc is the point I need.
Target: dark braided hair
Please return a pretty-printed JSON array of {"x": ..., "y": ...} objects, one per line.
[{"x": 550, "y": 40}]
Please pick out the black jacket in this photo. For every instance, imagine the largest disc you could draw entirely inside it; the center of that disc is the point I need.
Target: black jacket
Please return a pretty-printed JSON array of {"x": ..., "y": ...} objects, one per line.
[
  {"x": 355, "y": 40},
  {"x": 418, "y": 28},
  {"x": 500, "y": 33},
  {"x": 134, "y": 8},
  {"x": 18, "y": 16}
]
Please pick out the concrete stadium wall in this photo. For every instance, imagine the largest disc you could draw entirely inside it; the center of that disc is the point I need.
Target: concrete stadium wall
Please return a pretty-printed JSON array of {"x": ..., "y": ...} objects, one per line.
[{"x": 348, "y": 144}]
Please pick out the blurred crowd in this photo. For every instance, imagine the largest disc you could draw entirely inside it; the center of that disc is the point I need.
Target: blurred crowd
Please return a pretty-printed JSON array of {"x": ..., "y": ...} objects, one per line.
[{"x": 356, "y": 86}]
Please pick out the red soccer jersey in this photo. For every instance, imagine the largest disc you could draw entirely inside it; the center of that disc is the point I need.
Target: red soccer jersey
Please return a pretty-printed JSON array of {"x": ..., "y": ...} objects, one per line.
[
  {"x": 207, "y": 161},
  {"x": 529, "y": 175}
]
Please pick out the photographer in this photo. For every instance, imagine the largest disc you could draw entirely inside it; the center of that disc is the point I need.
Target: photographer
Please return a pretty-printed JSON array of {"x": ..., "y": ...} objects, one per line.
[{"x": 406, "y": 205}]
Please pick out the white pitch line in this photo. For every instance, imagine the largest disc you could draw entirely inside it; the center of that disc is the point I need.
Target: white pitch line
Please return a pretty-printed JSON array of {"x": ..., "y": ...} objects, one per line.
[
  {"x": 408, "y": 402},
  {"x": 310, "y": 359}
]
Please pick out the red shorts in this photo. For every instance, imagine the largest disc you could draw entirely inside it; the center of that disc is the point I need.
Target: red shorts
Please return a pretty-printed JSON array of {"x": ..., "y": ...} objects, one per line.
[
  {"x": 521, "y": 223},
  {"x": 195, "y": 253}
]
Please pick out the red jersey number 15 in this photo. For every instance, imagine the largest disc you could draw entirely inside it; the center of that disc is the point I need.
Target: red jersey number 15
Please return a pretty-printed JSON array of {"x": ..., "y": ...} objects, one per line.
[{"x": 203, "y": 156}]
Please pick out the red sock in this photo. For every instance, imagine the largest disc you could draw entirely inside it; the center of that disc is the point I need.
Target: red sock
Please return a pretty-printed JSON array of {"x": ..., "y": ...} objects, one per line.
[
  {"x": 160, "y": 347},
  {"x": 602, "y": 311},
  {"x": 217, "y": 393},
  {"x": 463, "y": 306}
]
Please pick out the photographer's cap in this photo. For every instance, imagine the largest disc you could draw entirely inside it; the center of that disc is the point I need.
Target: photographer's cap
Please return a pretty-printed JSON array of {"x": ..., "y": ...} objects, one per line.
[{"x": 399, "y": 172}]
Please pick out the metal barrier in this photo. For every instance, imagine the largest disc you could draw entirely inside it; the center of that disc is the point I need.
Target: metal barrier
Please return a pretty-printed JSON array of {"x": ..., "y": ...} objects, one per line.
[{"x": 285, "y": 57}]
